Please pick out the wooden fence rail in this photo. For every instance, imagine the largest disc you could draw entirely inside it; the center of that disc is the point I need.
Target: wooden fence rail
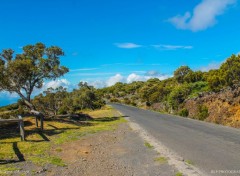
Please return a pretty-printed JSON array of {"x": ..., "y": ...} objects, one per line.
[{"x": 19, "y": 121}]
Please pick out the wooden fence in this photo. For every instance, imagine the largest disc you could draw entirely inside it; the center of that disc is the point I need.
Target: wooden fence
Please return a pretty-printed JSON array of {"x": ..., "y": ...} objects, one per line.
[
  {"x": 19, "y": 121},
  {"x": 38, "y": 116}
]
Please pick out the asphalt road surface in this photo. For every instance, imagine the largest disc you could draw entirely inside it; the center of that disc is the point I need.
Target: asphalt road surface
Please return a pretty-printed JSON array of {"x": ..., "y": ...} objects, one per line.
[{"x": 208, "y": 146}]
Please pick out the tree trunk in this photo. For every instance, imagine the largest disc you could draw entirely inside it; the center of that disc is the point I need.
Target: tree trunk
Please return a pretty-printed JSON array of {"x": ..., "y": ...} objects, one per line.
[
  {"x": 37, "y": 114},
  {"x": 29, "y": 105}
]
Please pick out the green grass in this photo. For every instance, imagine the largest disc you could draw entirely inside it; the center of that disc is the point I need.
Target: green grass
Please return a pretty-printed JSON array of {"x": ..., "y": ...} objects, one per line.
[
  {"x": 178, "y": 174},
  {"x": 58, "y": 149},
  {"x": 39, "y": 148},
  {"x": 189, "y": 162},
  {"x": 148, "y": 145},
  {"x": 43, "y": 160},
  {"x": 161, "y": 160},
  {"x": 7, "y": 170}
]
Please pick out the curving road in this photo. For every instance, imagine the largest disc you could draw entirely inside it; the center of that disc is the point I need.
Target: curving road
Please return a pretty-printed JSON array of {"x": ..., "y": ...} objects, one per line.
[{"x": 208, "y": 146}]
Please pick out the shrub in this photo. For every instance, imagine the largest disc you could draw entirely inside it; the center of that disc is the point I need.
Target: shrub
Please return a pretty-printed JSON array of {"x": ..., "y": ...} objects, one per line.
[
  {"x": 133, "y": 103},
  {"x": 202, "y": 112},
  {"x": 184, "y": 112},
  {"x": 148, "y": 104},
  {"x": 126, "y": 100},
  {"x": 114, "y": 100}
]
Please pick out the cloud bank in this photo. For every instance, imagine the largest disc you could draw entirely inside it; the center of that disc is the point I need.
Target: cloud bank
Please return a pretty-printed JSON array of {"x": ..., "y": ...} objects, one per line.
[{"x": 128, "y": 79}]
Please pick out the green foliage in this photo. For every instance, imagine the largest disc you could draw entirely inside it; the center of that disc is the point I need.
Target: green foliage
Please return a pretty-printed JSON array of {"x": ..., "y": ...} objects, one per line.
[
  {"x": 184, "y": 112},
  {"x": 215, "y": 80},
  {"x": 181, "y": 73},
  {"x": 21, "y": 73},
  {"x": 178, "y": 95},
  {"x": 161, "y": 160},
  {"x": 178, "y": 174},
  {"x": 51, "y": 101},
  {"x": 202, "y": 112},
  {"x": 59, "y": 101},
  {"x": 126, "y": 100},
  {"x": 198, "y": 87},
  {"x": 231, "y": 70},
  {"x": 192, "y": 77},
  {"x": 114, "y": 100},
  {"x": 148, "y": 145},
  {"x": 9, "y": 107}
]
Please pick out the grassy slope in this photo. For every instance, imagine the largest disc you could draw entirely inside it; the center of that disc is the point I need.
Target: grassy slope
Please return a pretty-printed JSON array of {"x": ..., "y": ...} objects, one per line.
[{"x": 38, "y": 146}]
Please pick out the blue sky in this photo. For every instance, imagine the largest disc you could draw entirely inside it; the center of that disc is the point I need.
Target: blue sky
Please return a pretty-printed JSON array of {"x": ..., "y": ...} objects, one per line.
[{"x": 108, "y": 41}]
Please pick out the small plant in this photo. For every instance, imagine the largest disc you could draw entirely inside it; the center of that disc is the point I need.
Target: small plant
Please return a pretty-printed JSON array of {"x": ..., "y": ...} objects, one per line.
[
  {"x": 179, "y": 174},
  {"x": 148, "y": 145},
  {"x": 189, "y": 162},
  {"x": 161, "y": 160},
  {"x": 202, "y": 112},
  {"x": 126, "y": 101},
  {"x": 184, "y": 112},
  {"x": 114, "y": 100},
  {"x": 58, "y": 149}
]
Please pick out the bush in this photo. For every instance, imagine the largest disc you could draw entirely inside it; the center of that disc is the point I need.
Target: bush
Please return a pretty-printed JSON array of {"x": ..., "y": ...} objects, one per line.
[
  {"x": 202, "y": 112},
  {"x": 184, "y": 112},
  {"x": 62, "y": 111},
  {"x": 126, "y": 101},
  {"x": 148, "y": 104},
  {"x": 133, "y": 103},
  {"x": 178, "y": 95},
  {"x": 114, "y": 100}
]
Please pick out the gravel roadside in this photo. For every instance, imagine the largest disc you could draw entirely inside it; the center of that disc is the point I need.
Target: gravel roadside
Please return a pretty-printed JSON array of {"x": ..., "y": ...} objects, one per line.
[{"x": 112, "y": 153}]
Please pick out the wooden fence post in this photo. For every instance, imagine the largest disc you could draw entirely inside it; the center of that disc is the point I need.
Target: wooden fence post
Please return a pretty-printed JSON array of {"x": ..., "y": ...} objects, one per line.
[
  {"x": 39, "y": 116},
  {"x": 21, "y": 127},
  {"x": 36, "y": 121},
  {"x": 41, "y": 121}
]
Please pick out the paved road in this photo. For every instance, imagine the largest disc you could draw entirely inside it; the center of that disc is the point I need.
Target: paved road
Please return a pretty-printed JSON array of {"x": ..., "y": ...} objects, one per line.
[{"x": 208, "y": 146}]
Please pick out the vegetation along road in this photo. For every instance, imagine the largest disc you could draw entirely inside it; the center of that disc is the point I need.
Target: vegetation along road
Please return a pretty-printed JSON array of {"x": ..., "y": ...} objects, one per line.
[{"x": 210, "y": 148}]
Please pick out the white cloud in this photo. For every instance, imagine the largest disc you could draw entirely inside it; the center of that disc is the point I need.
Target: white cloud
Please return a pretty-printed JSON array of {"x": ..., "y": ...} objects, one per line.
[
  {"x": 114, "y": 79},
  {"x": 134, "y": 77},
  {"x": 152, "y": 73},
  {"x": 97, "y": 84},
  {"x": 4, "y": 94},
  {"x": 171, "y": 47},
  {"x": 203, "y": 16},
  {"x": 56, "y": 83},
  {"x": 127, "y": 79},
  {"x": 127, "y": 45}
]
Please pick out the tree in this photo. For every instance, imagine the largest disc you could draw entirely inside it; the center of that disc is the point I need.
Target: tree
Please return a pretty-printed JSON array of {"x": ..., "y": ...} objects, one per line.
[
  {"x": 231, "y": 70},
  {"x": 181, "y": 72},
  {"x": 215, "y": 80},
  {"x": 192, "y": 77},
  {"x": 51, "y": 101},
  {"x": 21, "y": 73},
  {"x": 86, "y": 97},
  {"x": 178, "y": 95}
]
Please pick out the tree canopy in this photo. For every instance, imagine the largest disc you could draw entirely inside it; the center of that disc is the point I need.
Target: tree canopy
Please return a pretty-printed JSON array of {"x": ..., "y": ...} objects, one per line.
[{"x": 21, "y": 73}]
